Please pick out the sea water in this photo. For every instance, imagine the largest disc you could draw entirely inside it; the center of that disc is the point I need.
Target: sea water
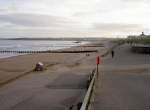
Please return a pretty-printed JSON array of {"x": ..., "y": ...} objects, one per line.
[{"x": 33, "y": 45}]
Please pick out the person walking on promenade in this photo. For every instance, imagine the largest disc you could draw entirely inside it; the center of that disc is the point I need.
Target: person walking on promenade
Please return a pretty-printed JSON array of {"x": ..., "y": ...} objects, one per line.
[{"x": 112, "y": 53}]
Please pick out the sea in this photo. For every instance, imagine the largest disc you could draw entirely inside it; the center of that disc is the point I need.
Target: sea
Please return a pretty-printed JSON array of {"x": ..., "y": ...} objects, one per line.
[{"x": 34, "y": 45}]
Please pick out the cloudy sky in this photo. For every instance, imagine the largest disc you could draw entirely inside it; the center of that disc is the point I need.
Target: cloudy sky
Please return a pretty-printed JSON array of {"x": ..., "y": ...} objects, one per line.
[{"x": 73, "y": 18}]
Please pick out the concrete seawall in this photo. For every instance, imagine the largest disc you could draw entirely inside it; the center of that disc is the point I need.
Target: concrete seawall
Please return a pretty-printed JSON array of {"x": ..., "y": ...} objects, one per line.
[{"x": 141, "y": 48}]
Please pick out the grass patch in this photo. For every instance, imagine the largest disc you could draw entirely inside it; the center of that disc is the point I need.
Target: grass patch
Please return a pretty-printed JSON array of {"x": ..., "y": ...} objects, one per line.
[
  {"x": 147, "y": 40},
  {"x": 139, "y": 40}
]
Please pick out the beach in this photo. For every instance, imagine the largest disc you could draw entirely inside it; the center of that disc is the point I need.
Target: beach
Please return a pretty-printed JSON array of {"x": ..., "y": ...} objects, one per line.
[
  {"x": 63, "y": 80},
  {"x": 17, "y": 65}
]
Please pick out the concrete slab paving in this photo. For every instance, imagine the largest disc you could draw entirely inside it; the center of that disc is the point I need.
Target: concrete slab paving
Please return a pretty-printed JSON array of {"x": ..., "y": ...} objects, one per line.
[{"x": 119, "y": 90}]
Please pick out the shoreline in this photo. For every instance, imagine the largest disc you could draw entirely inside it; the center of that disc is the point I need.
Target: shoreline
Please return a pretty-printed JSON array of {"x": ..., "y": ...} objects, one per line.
[
  {"x": 14, "y": 53},
  {"x": 15, "y": 66},
  {"x": 20, "y": 81}
]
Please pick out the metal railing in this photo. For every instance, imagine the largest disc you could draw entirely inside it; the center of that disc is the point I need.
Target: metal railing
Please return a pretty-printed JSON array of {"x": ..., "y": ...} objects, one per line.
[
  {"x": 90, "y": 86},
  {"x": 88, "y": 95}
]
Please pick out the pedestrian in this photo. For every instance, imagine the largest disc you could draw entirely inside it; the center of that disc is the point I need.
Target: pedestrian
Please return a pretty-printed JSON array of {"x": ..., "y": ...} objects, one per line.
[{"x": 112, "y": 53}]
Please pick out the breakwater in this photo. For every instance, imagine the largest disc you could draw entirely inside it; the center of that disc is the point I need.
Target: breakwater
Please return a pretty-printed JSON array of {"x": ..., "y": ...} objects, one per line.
[{"x": 48, "y": 51}]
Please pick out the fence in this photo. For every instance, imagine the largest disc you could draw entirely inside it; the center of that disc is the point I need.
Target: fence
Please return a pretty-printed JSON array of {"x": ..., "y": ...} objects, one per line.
[
  {"x": 90, "y": 86},
  {"x": 88, "y": 95}
]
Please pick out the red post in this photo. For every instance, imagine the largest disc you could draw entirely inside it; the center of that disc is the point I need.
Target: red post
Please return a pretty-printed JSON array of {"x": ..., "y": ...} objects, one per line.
[{"x": 98, "y": 60}]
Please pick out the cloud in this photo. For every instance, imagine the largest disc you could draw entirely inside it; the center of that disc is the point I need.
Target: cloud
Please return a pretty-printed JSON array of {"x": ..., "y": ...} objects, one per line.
[
  {"x": 35, "y": 20},
  {"x": 37, "y": 25},
  {"x": 114, "y": 27},
  {"x": 74, "y": 16},
  {"x": 135, "y": 0}
]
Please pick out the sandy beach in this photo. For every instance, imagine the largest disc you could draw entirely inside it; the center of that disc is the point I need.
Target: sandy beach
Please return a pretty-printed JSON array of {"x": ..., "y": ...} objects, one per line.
[
  {"x": 18, "y": 65},
  {"x": 63, "y": 80},
  {"x": 14, "y": 66}
]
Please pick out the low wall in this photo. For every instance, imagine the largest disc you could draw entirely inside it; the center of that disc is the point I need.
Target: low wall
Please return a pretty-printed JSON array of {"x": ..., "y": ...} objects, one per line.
[{"x": 141, "y": 48}]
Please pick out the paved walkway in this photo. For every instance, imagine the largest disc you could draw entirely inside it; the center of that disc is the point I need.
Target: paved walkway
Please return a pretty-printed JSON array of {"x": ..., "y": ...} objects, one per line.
[
  {"x": 121, "y": 86},
  {"x": 44, "y": 91}
]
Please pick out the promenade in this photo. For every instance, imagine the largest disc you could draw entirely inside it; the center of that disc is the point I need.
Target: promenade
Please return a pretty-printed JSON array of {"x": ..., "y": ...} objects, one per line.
[{"x": 123, "y": 82}]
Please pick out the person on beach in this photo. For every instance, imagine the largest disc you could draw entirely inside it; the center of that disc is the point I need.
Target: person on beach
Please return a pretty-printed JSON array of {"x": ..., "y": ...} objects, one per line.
[{"x": 112, "y": 53}]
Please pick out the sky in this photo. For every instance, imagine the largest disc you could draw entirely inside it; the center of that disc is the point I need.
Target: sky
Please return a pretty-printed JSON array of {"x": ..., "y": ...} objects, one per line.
[{"x": 74, "y": 18}]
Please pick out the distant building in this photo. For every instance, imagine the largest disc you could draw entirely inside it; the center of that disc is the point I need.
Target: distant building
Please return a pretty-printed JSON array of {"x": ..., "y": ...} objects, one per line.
[
  {"x": 139, "y": 36},
  {"x": 144, "y": 36}
]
